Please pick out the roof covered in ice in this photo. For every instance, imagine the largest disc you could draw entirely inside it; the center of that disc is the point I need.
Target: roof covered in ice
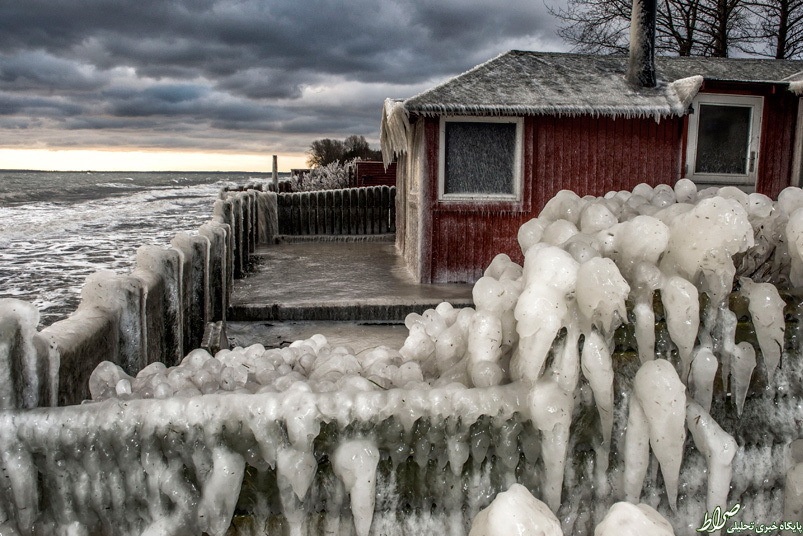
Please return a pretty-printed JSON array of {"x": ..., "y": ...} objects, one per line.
[{"x": 550, "y": 83}]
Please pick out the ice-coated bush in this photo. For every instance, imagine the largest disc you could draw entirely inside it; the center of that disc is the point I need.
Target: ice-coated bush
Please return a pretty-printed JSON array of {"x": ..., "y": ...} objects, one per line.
[{"x": 329, "y": 177}]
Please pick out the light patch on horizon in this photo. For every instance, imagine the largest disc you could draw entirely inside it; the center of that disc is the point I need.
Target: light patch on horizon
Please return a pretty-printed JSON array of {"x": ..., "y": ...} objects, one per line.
[{"x": 138, "y": 160}]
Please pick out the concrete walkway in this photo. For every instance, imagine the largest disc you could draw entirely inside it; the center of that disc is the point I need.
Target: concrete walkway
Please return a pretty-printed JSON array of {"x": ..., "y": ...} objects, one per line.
[{"x": 343, "y": 281}]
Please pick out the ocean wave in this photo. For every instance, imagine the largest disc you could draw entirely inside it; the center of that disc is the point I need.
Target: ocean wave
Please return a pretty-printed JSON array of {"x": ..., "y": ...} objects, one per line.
[{"x": 48, "y": 246}]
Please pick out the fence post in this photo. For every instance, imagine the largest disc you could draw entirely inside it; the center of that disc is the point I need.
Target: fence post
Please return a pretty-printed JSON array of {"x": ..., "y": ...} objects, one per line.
[
  {"x": 295, "y": 200},
  {"x": 30, "y": 364},
  {"x": 329, "y": 203},
  {"x": 216, "y": 233},
  {"x": 353, "y": 211},
  {"x": 384, "y": 209},
  {"x": 195, "y": 285},
  {"x": 305, "y": 225},
  {"x": 320, "y": 215},
  {"x": 337, "y": 212},
  {"x": 361, "y": 211},
  {"x": 285, "y": 213},
  {"x": 275, "y": 181},
  {"x": 392, "y": 206}
]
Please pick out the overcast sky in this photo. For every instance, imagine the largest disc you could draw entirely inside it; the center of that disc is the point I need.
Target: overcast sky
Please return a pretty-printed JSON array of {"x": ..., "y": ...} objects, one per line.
[{"x": 241, "y": 76}]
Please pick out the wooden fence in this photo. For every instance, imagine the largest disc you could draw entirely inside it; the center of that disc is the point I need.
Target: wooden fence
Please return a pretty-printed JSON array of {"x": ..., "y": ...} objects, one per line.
[{"x": 353, "y": 211}]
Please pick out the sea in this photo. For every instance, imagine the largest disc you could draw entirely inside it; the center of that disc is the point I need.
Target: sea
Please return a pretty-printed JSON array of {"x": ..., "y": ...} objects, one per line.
[{"x": 56, "y": 228}]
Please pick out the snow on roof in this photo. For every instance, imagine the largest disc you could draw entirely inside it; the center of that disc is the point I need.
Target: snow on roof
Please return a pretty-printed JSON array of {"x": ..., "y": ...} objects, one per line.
[{"x": 549, "y": 83}]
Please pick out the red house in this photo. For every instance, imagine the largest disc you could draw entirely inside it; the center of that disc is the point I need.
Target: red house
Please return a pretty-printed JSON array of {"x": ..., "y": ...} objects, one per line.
[
  {"x": 370, "y": 173},
  {"x": 483, "y": 152}
]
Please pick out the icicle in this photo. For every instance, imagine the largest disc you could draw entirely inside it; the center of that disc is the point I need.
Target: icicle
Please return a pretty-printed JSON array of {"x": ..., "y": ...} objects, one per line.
[
  {"x": 646, "y": 279},
  {"x": 718, "y": 447},
  {"x": 744, "y": 361},
  {"x": 598, "y": 370},
  {"x": 220, "y": 491},
  {"x": 794, "y": 240},
  {"x": 726, "y": 325},
  {"x": 682, "y": 306},
  {"x": 459, "y": 451},
  {"x": 551, "y": 410},
  {"x": 662, "y": 397},
  {"x": 297, "y": 468},
  {"x": 701, "y": 380},
  {"x": 566, "y": 364},
  {"x": 767, "y": 312},
  {"x": 540, "y": 313},
  {"x": 637, "y": 451},
  {"x": 354, "y": 462},
  {"x": 394, "y": 130}
]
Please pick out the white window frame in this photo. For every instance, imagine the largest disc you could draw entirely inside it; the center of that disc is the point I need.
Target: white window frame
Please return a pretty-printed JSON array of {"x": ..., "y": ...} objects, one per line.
[
  {"x": 517, "y": 162},
  {"x": 756, "y": 103}
]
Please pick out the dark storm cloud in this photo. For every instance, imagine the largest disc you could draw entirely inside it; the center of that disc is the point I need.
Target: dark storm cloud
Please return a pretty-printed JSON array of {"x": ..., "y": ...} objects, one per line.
[{"x": 261, "y": 65}]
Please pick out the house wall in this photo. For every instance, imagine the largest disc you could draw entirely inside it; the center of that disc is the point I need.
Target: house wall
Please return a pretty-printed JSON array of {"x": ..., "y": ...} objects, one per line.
[{"x": 585, "y": 154}]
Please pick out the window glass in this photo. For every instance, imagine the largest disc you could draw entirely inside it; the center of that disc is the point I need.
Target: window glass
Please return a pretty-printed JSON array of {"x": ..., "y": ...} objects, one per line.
[
  {"x": 723, "y": 139},
  {"x": 480, "y": 158}
]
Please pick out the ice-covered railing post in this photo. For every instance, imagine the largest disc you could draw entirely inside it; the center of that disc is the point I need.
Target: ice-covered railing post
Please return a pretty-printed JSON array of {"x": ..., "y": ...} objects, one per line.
[{"x": 29, "y": 364}]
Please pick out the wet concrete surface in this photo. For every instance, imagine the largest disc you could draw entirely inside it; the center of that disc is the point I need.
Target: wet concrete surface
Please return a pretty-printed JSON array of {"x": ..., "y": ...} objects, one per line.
[{"x": 346, "y": 281}]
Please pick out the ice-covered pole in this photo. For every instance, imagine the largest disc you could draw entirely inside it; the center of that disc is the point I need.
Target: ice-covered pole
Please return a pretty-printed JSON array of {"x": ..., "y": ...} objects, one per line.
[
  {"x": 276, "y": 174},
  {"x": 641, "y": 67}
]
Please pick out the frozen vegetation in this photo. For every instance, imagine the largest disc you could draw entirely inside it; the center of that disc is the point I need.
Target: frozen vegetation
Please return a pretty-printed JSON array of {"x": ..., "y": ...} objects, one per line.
[{"x": 640, "y": 369}]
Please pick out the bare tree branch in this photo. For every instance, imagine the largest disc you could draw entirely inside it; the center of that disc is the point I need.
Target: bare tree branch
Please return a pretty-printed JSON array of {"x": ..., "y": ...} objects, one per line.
[{"x": 683, "y": 27}]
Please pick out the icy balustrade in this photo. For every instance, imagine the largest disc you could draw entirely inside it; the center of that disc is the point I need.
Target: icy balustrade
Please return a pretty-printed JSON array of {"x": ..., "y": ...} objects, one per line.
[
  {"x": 166, "y": 303},
  {"x": 641, "y": 365}
]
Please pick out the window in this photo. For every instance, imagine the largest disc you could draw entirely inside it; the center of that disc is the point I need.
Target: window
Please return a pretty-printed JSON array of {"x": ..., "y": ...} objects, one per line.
[
  {"x": 480, "y": 159},
  {"x": 724, "y": 136}
]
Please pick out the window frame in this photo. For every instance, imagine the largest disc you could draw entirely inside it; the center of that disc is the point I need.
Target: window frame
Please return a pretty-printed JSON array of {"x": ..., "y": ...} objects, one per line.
[
  {"x": 518, "y": 171},
  {"x": 756, "y": 104}
]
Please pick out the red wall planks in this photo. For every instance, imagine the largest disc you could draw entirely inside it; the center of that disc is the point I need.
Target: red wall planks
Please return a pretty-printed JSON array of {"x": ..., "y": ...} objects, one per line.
[
  {"x": 588, "y": 155},
  {"x": 371, "y": 173},
  {"x": 777, "y": 142},
  {"x": 585, "y": 154}
]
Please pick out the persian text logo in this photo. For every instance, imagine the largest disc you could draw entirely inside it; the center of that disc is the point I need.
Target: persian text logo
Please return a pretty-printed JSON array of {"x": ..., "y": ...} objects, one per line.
[{"x": 716, "y": 520}]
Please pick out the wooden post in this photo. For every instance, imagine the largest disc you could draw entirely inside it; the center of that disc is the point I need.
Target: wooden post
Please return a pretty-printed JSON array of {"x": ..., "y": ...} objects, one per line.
[{"x": 276, "y": 174}]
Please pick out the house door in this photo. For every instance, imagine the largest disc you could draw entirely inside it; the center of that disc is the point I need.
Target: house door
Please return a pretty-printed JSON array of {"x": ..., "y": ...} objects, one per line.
[{"x": 724, "y": 140}]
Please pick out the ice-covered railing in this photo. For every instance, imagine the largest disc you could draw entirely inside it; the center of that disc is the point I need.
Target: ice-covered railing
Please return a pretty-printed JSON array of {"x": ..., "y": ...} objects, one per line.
[
  {"x": 172, "y": 298},
  {"x": 647, "y": 351}
]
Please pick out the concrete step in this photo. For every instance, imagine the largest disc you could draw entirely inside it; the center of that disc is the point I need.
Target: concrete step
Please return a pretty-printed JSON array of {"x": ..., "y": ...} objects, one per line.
[{"x": 365, "y": 310}]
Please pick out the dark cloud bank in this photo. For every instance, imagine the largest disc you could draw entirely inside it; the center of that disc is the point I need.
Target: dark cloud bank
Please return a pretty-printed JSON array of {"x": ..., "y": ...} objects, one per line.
[{"x": 235, "y": 74}]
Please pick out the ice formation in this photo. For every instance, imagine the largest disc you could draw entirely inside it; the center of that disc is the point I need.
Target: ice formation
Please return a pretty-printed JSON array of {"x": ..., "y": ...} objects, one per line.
[
  {"x": 611, "y": 366},
  {"x": 516, "y": 512},
  {"x": 627, "y": 519}
]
